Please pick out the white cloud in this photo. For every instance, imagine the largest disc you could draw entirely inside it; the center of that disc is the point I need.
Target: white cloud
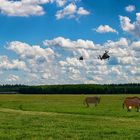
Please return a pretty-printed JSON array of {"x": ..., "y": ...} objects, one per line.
[
  {"x": 131, "y": 27},
  {"x": 126, "y": 24},
  {"x": 82, "y": 11},
  {"x": 12, "y": 78},
  {"x": 22, "y": 8},
  {"x": 15, "y": 64},
  {"x": 121, "y": 50},
  {"x": 26, "y": 8},
  {"x": 122, "y": 42},
  {"x": 130, "y": 8},
  {"x": 57, "y": 62},
  {"x": 135, "y": 70},
  {"x": 105, "y": 29},
  {"x": 35, "y": 1},
  {"x": 71, "y": 11},
  {"x": 116, "y": 70},
  {"x": 61, "y": 3},
  {"x": 136, "y": 45},
  {"x": 126, "y": 60},
  {"x": 46, "y": 75},
  {"x": 32, "y": 52},
  {"x": 73, "y": 62},
  {"x": 67, "y": 43}
]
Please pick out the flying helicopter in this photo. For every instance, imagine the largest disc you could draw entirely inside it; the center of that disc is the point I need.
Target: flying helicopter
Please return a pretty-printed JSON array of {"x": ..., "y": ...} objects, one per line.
[
  {"x": 104, "y": 56},
  {"x": 81, "y": 58}
]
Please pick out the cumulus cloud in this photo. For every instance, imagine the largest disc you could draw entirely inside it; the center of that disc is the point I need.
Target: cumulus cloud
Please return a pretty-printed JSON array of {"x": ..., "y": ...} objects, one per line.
[
  {"x": 120, "y": 51},
  {"x": 57, "y": 61},
  {"x": 122, "y": 42},
  {"x": 130, "y": 8},
  {"x": 60, "y": 3},
  {"x": 73, "y": 62},
  {"x": 136, "y": 45},
  {"x": 22, "y": 8},
  {"x": 105, "y": 29},
  {"x": 24, "y": 50},
  {"x": 126, "y": 24},
  {"x": 15, "y": 64},
  {"x": 71, "y": 11},
  {"x": 116, "y": 70},
  {"x": 82, "y": 11},
  {"x": 126, "y": 60},
  {"x": 132, "y": 28},
  {"x": 77, "y": 48},
  {"x": 12, "y": 78},
  {"x": 135, "y": 71},
  {"x": 26, "y": 8},
  {"x": 67, "y": 43}
]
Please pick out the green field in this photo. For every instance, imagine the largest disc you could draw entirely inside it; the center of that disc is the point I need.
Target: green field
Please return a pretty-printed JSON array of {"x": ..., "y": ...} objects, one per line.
[{"x": 64, "y": 117}]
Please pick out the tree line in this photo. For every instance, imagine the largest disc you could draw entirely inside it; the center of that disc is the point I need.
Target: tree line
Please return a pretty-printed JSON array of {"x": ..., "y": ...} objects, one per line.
[{"x": 73, "y": 89}]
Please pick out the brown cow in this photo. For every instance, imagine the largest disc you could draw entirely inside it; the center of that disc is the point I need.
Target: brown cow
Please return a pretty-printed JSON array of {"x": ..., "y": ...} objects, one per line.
[
  {"x": 130, "y": 102},
  {"x": 93, "y": 100}
]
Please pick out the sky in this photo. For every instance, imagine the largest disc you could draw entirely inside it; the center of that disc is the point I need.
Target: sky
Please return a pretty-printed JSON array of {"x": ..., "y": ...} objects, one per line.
[{"x": 41, "y": 41}]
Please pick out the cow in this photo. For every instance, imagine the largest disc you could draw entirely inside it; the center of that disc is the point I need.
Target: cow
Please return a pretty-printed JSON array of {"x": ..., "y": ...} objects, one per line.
[{"x": 91, "y": 100}]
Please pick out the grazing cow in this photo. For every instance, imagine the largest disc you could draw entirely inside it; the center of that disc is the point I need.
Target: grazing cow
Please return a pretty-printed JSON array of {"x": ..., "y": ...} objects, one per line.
[
  {"x": 92, "y": 100},
  {"x": 132, "y": 97},
  {"x": 130, "y": 102}
]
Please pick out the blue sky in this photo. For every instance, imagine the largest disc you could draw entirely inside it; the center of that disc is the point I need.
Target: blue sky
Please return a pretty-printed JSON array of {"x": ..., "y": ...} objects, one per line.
[{"x": 41, "y": 40}]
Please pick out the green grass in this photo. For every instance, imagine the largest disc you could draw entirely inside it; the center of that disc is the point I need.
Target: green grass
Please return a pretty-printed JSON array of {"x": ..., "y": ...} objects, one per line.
[{"x": 64, "y": 117}]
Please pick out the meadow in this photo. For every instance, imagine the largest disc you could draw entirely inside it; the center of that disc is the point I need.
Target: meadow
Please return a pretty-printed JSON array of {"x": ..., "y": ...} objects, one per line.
[{"x": 64, "y": 117}]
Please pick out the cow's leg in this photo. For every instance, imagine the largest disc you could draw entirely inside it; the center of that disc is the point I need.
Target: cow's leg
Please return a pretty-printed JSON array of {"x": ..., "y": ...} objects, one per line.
[
  {"x": 87, "y": 104},
  {"x": 137, "y": 108},
  {"x": 128, "y": 109},
  {"x": 95, "y": 104}
]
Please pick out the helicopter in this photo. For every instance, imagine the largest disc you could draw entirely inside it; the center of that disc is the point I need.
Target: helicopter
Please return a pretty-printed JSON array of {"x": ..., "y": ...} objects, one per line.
[
  {"x": 104, "y": 56},
  {"x": 81, "y": 58}
]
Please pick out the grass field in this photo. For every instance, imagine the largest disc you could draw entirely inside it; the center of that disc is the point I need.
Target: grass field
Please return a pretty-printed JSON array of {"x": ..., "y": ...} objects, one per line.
[{"x": 64, "y": 117}]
